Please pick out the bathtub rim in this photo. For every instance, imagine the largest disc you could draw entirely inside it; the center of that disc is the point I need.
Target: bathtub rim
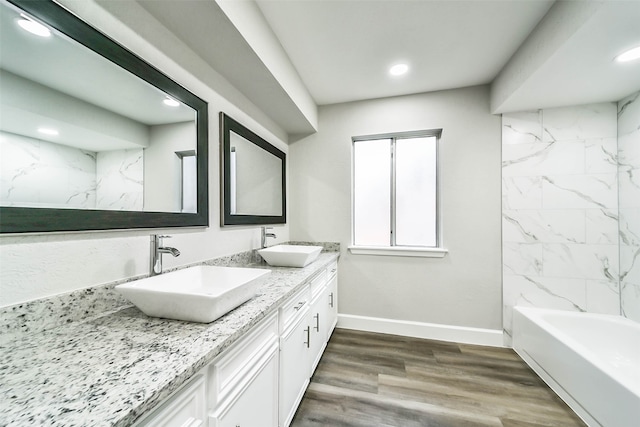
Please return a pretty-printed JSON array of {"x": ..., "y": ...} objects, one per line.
[
  {"x": 532, "y": 324},
  {"x": 536, "y": 315}
]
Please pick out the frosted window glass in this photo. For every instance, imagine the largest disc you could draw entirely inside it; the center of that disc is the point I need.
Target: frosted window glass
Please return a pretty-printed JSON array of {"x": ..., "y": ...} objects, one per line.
[
  {"x": 416, "y": 192},
  {"x": 372, "y": 192}
]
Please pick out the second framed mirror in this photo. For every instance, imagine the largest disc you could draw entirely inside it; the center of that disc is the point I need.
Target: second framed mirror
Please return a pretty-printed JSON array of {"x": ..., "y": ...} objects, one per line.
[{"x": 253, "y": 177}]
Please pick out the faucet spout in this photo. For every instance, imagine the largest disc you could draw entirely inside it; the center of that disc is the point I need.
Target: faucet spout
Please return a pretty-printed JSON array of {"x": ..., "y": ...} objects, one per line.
[
  {"x": 156, "y": 251},
  {"x": 169, "y": 250}
]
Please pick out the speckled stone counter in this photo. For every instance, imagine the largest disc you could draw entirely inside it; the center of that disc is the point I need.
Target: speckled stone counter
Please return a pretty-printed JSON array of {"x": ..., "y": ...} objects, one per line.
[{"x": 109, "y": 370}]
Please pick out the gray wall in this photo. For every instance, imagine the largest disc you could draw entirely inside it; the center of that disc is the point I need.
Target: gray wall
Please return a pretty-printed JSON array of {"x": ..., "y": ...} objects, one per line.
[{"x": 464, "y": 287}]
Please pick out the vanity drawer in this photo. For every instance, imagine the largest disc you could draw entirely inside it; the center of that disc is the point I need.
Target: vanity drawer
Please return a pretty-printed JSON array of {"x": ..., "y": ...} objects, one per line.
[
  {"x": 332, "y": 270},
  {"x": 254, "y": 402},
  {"x": 294, "y": 307},
  {"x": 231, "y": 368},
  {"x": 318, "y": 283},
  {"x": 185, "y": 408}
]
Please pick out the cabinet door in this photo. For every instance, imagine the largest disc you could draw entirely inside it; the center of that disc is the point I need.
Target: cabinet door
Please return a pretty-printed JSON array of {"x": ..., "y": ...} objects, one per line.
[
  {"x": 319, "y": 325},
  {"x": 255, "y": 404},
  {"x": 294, "y": 367},
  {"x": 186, "y": 408},
  {"x": 332, "y": 305}
]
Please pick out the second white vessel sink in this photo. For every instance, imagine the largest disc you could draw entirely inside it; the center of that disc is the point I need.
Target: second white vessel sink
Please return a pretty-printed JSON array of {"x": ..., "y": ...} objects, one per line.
[
  {"x": 290, "y": 255},
  {"x": 197, "y": 294}
]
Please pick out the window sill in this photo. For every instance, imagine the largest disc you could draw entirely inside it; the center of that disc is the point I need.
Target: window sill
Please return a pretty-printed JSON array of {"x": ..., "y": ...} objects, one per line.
[{"x": 399, "y": 251}]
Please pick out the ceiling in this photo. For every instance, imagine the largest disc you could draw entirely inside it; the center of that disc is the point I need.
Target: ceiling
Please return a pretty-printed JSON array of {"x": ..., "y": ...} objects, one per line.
[
  {"x": 343, "y": 49},
  {"x": 534, "y": 53},
  {"x": 578, "y": 67}
]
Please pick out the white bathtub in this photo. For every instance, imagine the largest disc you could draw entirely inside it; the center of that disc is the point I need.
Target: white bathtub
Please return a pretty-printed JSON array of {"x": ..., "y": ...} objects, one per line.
[{"x": 592, "y": 361}]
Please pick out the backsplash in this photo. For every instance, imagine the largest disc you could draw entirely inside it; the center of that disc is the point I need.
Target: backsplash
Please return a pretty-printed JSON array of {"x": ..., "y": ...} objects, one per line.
[{"x": 86, "y": 304}]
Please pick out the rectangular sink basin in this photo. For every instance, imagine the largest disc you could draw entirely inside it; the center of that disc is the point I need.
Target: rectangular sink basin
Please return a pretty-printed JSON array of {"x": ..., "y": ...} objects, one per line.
[
  {"x": 196, "y": 294},
  {"x": 290, "y": 255}
]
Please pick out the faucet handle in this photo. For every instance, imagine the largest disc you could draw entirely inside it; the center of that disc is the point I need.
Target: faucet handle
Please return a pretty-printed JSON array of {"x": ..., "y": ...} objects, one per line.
[{"x": 158, "y": 238}]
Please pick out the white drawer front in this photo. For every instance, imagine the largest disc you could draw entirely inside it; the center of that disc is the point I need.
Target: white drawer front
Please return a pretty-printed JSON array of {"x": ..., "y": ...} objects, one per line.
[
  {"x": 186, "y": 408},
  {"x": 255, "y": 402},
  {"x": 233, "y": 366},
  {"x": 292, "y": 309},
  {"x": 318, "y": 284},
  {"x": 332, "y": 270}
]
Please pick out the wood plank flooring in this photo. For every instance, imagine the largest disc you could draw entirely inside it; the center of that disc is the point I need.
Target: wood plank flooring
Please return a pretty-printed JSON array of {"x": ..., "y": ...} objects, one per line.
[{"x": 374, "y": 380}]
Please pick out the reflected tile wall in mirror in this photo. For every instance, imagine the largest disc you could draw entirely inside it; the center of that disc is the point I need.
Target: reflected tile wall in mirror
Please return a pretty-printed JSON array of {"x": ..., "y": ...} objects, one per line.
[
  {"x": 629, "y": 193},
  {"x": 120, "y": 180},
  {"x": 37, "y": 173}
]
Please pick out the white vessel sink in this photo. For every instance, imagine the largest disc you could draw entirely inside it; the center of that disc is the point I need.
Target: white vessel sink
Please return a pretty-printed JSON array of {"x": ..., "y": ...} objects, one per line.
[
  {"x": 196, "y": 294},
  {"x": 290, "y": 255}
]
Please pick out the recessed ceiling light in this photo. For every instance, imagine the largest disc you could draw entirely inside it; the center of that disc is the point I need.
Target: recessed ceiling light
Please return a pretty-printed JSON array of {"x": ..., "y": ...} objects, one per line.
[
  {"x": 398, "y": 69},
  {"x": 33, "y": 27},
  {"x": 171, "y": 102},
  {"x": 629, "y": 55},
  {"x": 48, "y": 131}
]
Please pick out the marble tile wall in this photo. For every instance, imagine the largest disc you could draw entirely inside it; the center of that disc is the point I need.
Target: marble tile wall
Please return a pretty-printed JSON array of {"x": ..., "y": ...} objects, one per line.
[
  {"x": 560, "y": 209},
  {"x": 35, "y": 173},
  {"x": 629, "y": 195},
  {"x": 120, "y": 179}
]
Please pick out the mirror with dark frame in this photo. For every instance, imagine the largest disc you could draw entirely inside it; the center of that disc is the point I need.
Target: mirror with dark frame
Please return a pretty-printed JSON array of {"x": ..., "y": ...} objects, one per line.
[
  {"x": 91, "y": 136},
  {"x": 253, "y": 177}
]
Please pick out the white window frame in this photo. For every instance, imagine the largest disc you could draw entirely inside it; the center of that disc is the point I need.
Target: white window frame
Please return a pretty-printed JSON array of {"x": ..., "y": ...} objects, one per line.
[{"x": 394, "y": 250}]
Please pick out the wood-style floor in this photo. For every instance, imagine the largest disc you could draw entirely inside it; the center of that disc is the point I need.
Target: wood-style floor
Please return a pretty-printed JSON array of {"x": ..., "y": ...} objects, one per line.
[{"x": 374, "y": 380}]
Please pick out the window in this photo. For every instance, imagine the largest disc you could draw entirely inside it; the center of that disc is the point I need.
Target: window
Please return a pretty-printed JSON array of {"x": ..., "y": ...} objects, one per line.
[{"x": 395, "y": 194}]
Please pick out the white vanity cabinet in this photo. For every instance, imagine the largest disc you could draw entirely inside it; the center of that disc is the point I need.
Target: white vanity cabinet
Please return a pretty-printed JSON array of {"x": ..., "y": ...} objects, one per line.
[
  {"x": 332, "y": 299},
  {"x": 185, "y": 408},
  {"x": 318, "y": 320},
  {"x": 306, "y": 322},
  {"x": 294, "y": 353},
  {"x": 243, "y": 382}
]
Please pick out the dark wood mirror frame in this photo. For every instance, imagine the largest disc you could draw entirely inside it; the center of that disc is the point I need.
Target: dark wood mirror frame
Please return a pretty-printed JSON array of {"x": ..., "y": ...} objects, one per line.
[
  {"x": 228, "y": 125},
  {"x": 37, "y": 220}
]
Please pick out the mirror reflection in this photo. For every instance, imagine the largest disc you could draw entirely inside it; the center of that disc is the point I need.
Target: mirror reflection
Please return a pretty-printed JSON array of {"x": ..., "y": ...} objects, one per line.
[
  {"x": 253, "y": 181},
  {"x": 79, "y": 132},
  {"x": 254, "y": 190}
]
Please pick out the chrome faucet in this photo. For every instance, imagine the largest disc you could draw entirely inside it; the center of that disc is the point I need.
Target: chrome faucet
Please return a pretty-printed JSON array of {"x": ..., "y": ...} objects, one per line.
[
  {"x": 155, "y": 254},
  {"x": 265, "y": 234}
]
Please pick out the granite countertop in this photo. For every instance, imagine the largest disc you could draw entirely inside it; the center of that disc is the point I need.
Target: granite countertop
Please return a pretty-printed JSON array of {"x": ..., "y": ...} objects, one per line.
[{"x": 109, "y": 370}]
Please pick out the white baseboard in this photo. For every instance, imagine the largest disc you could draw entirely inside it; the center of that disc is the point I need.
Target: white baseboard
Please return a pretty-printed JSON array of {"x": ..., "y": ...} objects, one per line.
[{"x": 432, "y": 331}]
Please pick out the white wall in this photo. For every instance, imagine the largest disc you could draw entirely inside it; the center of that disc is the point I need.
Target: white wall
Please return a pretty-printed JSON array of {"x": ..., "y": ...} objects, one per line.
[
  {"x": 37, "y": 266},
  {"x": 463, "y": 288}
]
